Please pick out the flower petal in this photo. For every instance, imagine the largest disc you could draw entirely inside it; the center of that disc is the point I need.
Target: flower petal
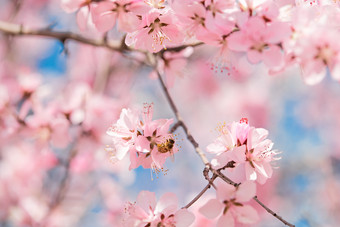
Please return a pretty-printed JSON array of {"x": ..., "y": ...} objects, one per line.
[{"x": 211, "y": 209}]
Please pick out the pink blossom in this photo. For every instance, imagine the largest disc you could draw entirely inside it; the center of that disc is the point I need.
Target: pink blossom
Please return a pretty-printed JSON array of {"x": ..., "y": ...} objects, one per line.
[
  {"x": 231, "y": 202},
  {"x": 157, "y": 31},
  {"x": 318, "y": 52},
  {"x": 191, "y": 15},
  {"x": 148, "y": 212},
  {"x": 148, "y": 141},
  {"x": 242, "y": 145},
  {"x": 124, "y": 132},
  {"x": 261, "y": 41},
  {"x": 106, "y": 13}
]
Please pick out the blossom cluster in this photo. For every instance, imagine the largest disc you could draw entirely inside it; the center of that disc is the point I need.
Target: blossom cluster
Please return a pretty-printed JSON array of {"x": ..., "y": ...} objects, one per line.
[
  {"x": 148, "y": 142},
  {"x": 148, "y": 212},
  {"x": 231, "y": 205},
  {"x": 277, "y": 33},
  {"x": 242, "y": 145}
]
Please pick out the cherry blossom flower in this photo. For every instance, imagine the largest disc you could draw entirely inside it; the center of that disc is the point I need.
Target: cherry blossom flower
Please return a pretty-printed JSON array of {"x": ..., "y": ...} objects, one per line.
[
  {"x": 261, "y": 41},
  {"x": 231, "y": 202},
  {"x": 148, "y": 212},
  {"x": 191, "y": 15},
  {"x": 158, "y": 30},
  {"x": 148, "y": 141},
  {"x": 106, "y": 13},
  {"x": 242, "y": 145},
  {"x": 124, "y": 132},
  {"x": 317, "y": 54}
]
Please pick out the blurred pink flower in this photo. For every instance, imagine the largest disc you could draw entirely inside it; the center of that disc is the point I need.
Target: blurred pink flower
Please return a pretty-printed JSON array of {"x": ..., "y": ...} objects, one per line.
[
  {"x": 84, "y": 8},
  {"x": 106, "y": 13},
  {"x": 261, "y": 41},
  {"x": 148, "y": 212},
  {"x": 230, "y": 202}
]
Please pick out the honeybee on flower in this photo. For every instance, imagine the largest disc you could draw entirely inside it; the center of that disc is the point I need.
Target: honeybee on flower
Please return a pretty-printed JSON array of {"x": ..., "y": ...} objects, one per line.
[{"x": 148, "y": 142}]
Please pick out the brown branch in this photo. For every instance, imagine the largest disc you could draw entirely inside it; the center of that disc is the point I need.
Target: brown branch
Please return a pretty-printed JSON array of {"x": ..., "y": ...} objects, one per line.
[
  {"x": 19, "y": 30},
  {"x": 272, "y": 212},
  {"x": 175, "y": 126},
  {"x": 211, "y": 180}
]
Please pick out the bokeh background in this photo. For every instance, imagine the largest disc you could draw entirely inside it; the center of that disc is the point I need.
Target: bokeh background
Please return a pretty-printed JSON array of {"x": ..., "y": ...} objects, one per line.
[{"x": 44, "y": 184}]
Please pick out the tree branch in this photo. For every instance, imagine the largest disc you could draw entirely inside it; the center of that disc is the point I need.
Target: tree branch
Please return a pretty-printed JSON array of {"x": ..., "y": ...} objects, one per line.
[
  {"x": 202, "y": 192},
  {"x": 20, "y": 30},
  {"x": 216, "y": 173}
]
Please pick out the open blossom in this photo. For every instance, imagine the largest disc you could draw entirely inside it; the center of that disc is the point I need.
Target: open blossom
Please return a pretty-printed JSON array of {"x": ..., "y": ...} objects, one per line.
[
  {"x": 261, "y": 41},
  {"x": 148, "y": 212},
  {"x": 231, "y": 206},
  {"x": 191, "y": 14},
  {"x": 147, "y": 141},
  {"x": 106, "y": 13},
  {"x": 242, "y": 145},
  {"x": 318, "y": 52},
  {"x": 157, "y": 31}
]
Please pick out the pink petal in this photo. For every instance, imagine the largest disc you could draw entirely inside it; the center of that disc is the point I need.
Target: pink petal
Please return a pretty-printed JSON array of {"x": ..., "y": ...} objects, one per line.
[
  {"x": 273, "y": 57},
  {"x": 277, "y": 32},
  {"x": 167, "y": 200},
  {"x": 250, "y": 172},
  {"x": 246, "y": 191},
  {"x": 225, "y": 191},
  {"x": 226, "y": 220},
  {"x": 103, "y": 18},
  {"x": 238, "y": 154},
  {"x": 313, "y": 72},
  {"x": 128, "y": 22},
  {"x": 82, "y": 18},
  {"x": 71, "y": 6},
  {"x": 254, "y": 56},
  {"x": 259, "y": 167},
  {"x": 246, "y": 214},
  {"x": 121, "y": 150},
  {"x": 146, "y": 200},
  {"x": 238, "y": 41},
  {"x": 211, "y": 209},
  {"x": 184, "y": 218},
  {"x": 216, "y": 148}
]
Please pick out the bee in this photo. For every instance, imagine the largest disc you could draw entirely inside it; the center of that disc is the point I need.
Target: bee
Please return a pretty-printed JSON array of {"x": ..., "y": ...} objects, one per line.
[{"x": 167, "y": 147}]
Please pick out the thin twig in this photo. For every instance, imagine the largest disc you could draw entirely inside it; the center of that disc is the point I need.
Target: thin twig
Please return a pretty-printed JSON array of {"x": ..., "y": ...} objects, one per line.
[
  {"x": 202, "y": 192},
  {"x": 272, "y": 212},
  {"x": 229, "y": 181}
]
